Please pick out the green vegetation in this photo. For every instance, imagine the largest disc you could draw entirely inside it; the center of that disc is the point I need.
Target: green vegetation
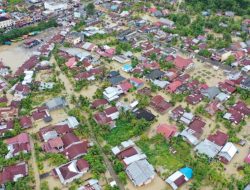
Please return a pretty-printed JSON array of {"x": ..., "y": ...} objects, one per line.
[
  {"x": 159, "y": 153},
  {"x": 241, "y": 7},
  {"x": 127, "y": 126},
  {"x": 90, "y": 9},
  {"x": 15, "y": 33},
  {"x": 95, "y": 160}
]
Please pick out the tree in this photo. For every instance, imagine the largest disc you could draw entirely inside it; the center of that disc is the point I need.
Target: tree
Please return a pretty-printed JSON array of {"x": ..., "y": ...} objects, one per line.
[
  {"x": 90, "y": 9},
  {"x": 122, "y": 177},
  {"x": 230, "y": 60},
  {"x": 205, "y": 53},
  {"x": 118, "y": 166}
]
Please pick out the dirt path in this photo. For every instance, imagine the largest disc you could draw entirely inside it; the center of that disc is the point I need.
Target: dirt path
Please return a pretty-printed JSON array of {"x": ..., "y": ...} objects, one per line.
[{"x": 34, "y": 165}]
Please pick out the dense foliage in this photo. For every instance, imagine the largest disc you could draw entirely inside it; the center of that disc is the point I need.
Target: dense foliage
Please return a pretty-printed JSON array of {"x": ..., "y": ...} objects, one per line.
[
  {"x": 16, "y": 33},
  {"x": 241, "y": 7}
]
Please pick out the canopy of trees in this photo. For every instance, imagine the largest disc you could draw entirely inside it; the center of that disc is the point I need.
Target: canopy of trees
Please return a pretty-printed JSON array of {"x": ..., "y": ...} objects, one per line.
[
  {"x": 15, "y": 33},
  {"x": 241, "y": 7}
]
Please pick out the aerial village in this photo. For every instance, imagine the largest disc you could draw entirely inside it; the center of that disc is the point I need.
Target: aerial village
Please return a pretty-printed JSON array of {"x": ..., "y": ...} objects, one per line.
[{"x": 129, "y": 95}]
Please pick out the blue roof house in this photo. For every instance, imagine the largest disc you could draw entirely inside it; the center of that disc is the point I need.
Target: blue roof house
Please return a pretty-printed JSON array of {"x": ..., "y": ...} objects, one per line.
[{"x": 127, "y": 68}]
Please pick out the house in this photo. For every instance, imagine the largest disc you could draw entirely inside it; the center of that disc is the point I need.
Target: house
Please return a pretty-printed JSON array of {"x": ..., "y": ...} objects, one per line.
[
  {"x": 167, "y": 131},
  {"x": 54, "y": 145},
  {"x": 71, "y": 62},
  {"x": 112, "y": 112},
  {"x": 89, "y": 46},
  {"x": 6, "y": 125},
  {"x": 214, "y": 106},
  {"x": 121, "y": 59},
  {"x": 177, "y": 112},
  {"x": 155, "y": 74},
  {"x": 116, "y": 80},
  {"x": 125, "y": 86},
  {"x": 140, "y": 172},
  {"x": 41, "y": 113},
  {"x": 127, "y": 68},
  {"x": 187, "y": 118},
  {"x": 22, "y": 90},
  {"x": 26, "y": 122},
  {"x": 112, "y": 93},
  {"x": 180, "y": 177},
  {"x": 212, "y": 145},
  {"x": 98, "y": 103},
  {"x": 13, "y": 173},
  {"x": 182, "y": 63},
  {"x": 160, "y": 83},
  {"x": 125, "y": 150},
  {"x": 172, "y": 87},
  {"x": 229, "y": 13},
  {"x": 222, "y": 97},
  {"x": 18, "y": 144},
  {"x": 92, "y": 184},
  {"x": 8, "y": 112},
  {"x": 76, "y": 149},
  {"x": 194, "y": 99},
  {"x": 227, "y": 87},
  {"x": 211, "y": 92},
  {"x": 234, "y": 116},
  {"x": 56, "y": 103},
  {"x": 54, "y": 131},
  {"x": 227, "y": 152},
  {"x": 144, "y": 114},
  {"x": 74, "y": 38},
  {"x": 71, "y": 171},
  {"x": 245, "y": 84},
  {"x": 160, "y": 104},
  {"x": 102, "y": 119},
  {"x": 247, "y": 159},
  {"x": 194, "y": 131},
  {"x": 138, "y": 83}
]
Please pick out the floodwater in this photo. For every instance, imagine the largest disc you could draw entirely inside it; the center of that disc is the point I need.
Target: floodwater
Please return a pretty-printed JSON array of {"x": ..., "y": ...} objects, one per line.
[{"x": 14, "y": 55}]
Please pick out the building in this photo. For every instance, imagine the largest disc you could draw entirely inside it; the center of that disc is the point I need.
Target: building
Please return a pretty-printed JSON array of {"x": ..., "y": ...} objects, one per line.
[
  {"x": 140, "y": 172},
  {"x": 18, "y": 144},
  {"x": 55, "y": 6},
  {"x": 180, "y": 177},
  {"x": 13, "y": 173},
  {"x": 227, "y": 152},
  {"x": 71, "y": 171},
  {"x": 56, "y": 103},
  {"x": 6, "y": 22},
  {"x": 167, "y": 131}
]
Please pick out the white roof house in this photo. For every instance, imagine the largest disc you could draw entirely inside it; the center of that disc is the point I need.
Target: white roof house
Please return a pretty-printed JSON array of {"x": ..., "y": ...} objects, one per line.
[
  {"x": 228, "y": 151},
  {"x": 140, "y": 172},
  {"x": 112, "y": 93},
  {"x": 124, "y": 145},
  {"x": 134, "y": 158},
  {"x": 188, "y": 134}
]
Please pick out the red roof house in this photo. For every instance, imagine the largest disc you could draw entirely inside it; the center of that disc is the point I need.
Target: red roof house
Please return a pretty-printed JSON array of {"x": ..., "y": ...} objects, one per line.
[
  {"x": 13, "y": 173},
  {"x": 160, "y": 104},
  {"x": 182, "y": 63},
  {"x": 167, "y": 131},
  {"x": 25, "y": 122},
  {"x": 98, "y": 103},
  {"x": 218, "y": 138},
  {"x": 172, "y": 87},
  {"x": 18, "y": 144}
]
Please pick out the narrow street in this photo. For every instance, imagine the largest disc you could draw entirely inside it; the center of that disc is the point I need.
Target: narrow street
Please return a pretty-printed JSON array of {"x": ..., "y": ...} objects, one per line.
[
  {"x": 69, "y": 91},
  {"x": 34, "y": 165}
]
